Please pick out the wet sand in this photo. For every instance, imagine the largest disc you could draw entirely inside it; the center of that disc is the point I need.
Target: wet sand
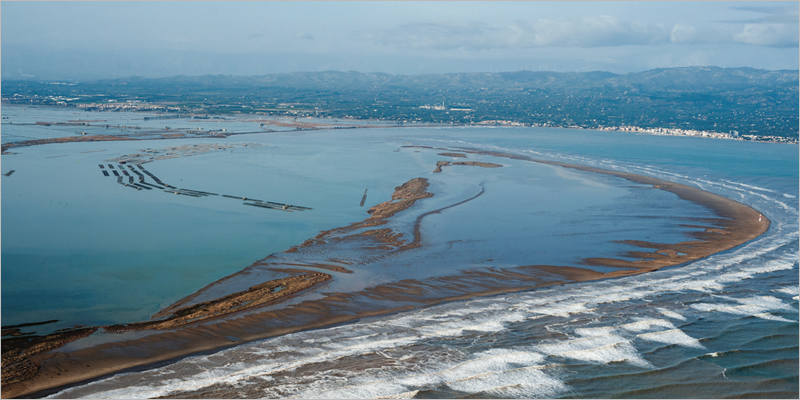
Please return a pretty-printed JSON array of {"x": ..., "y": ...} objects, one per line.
[{"x": 185, "y": 328}]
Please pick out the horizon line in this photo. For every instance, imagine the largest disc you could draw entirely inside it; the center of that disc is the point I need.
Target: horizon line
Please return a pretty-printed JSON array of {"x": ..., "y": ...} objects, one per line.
[{"x": 490, "y": 71}]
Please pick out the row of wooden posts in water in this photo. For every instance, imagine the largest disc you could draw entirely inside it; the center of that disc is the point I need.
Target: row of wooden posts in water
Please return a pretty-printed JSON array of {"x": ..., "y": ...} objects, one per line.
[{"x": 121, "y": 171}]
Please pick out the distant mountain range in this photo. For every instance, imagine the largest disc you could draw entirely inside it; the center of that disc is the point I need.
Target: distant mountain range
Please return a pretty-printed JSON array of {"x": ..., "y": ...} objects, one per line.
[
  {"x": 688, "y": 78},
  {"x": 749, "y": 101}
]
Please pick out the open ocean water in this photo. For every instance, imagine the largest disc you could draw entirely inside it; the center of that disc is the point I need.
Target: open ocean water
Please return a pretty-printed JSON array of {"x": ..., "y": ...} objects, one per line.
[{"x": 724, "y": 326}]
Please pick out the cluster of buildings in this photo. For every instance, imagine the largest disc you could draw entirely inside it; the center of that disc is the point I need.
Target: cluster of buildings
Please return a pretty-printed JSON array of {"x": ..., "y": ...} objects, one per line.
[
  {"x": 693, "y": 132},
  {"x": 110, "y": 105},
  {"x": 498, "y": 122},
  {"x": 673, "y": 132},
  {"x": 444, "y": 108},
  {"x": 130, "y": 105}
]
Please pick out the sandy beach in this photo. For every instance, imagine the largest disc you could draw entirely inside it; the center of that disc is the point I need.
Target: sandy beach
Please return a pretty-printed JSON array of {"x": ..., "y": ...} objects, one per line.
[{"x": 191, "y": 326}]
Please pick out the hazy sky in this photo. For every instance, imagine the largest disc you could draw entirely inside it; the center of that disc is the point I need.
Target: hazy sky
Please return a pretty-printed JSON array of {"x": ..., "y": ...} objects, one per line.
[{"x": 85, "y": 40}]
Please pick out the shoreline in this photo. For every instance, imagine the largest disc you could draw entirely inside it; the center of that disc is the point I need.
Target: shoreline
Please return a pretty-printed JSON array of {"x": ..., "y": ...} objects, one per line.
[{"x": 737, "y": 224}]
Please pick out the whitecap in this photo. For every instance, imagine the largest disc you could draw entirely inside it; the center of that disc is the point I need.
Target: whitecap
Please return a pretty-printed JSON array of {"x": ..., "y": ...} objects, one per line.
[
  {"x": 644, "y": 325},
  {"x": 521, "y": 382},
  {"x": 601, "y": 349},
  {"x": 404, "y": 395},
  {"x": 771, "y": 317},
  {"x": 672, "y": 336},
  {"x": 671, "y": 314},
  {"x": 767, "y": 302}
]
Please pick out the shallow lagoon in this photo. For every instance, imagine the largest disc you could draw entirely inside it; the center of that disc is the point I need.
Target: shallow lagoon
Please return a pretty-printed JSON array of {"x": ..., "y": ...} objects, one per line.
[{"x": 85, "y": 250}]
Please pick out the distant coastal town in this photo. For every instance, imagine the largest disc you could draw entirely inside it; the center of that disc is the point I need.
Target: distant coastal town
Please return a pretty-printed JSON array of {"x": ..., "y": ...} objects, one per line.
[
  {"x": 757, "y": 106},
  {"x": 734, "y": 135},
  {"x": 142, "y": 106},
  {"x": 691, "y": 132}
]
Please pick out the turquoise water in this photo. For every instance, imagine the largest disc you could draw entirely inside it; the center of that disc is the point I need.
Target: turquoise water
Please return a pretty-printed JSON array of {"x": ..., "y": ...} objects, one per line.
[{"x": 83, "y": 249}]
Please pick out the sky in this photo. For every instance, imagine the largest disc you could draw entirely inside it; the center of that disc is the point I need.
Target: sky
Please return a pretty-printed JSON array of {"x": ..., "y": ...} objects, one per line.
[{"x": 97, "y": 40}]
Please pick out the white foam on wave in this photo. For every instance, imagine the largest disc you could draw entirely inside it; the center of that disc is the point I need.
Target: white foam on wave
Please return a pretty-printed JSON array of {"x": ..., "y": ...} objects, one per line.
[
  {"x": 616, "y": 296},
  {"x": 601, "y": 349},
  {"x": 767, "y": 302},
  {"x": 731, "y": 277},
  {"x": 495, "y": 360},
  {"x": 646, "y": 325},
  {"x": 527, "y": 382},
  {"x": 404, "y": 395},
  {"x": 790, "y": 290},
  {"x": 671, "y": 314},
  {"x": 743, "y": 190},
  {"x": 672, "y": 336},
  {"x": 746, "y": 260},
  {"x": 704, "y": 286},
  {"x": 492, "y": 370},
  {"x": 753, "y": 307},
  {"x": 614, "y": 352},
  {"x": 456, "y": 329},
  {"x": 595, "y": 331},
  {"x": 771, "y": 266},
  {"x": 771, "y": 317},
  {"x": 260, "y": 369},
  {"x": 750, "y": 186},
  {"x": 379, "y": 389},
  {"x": 705, "y": 307},
  {"x": 558, "y": 309}
]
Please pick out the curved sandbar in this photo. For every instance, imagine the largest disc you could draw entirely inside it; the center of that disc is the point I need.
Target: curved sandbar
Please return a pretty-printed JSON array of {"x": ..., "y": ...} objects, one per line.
[
  {"x": 740, "y": 223},
  {"x": 208, "y": 326}
]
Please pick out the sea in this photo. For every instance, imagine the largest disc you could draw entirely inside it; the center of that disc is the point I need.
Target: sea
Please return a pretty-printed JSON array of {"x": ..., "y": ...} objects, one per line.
[{"x": 83, "y": 248}]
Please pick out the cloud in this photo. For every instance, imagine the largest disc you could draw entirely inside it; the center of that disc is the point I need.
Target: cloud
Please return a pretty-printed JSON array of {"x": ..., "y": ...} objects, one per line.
[
  {"x": 682, "y": 33},
  {"x": 439, "y": 36},
  {"x": 776, "y": 27},
  {"x": 769, "y": 35},
  {"x": 585, "y": 32},
  {"x": 589, "y": 32}
]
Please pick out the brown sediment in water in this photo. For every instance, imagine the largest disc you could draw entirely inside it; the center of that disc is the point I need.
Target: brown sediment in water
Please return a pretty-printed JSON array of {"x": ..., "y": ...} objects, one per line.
[
  {"x": 404, "y": 196},
  {"x": 264, "y": 293},
  {"x": 221, "y": 322},
  {"x": 441, "y": 164},
  {"x": 477, "y": 164}
]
